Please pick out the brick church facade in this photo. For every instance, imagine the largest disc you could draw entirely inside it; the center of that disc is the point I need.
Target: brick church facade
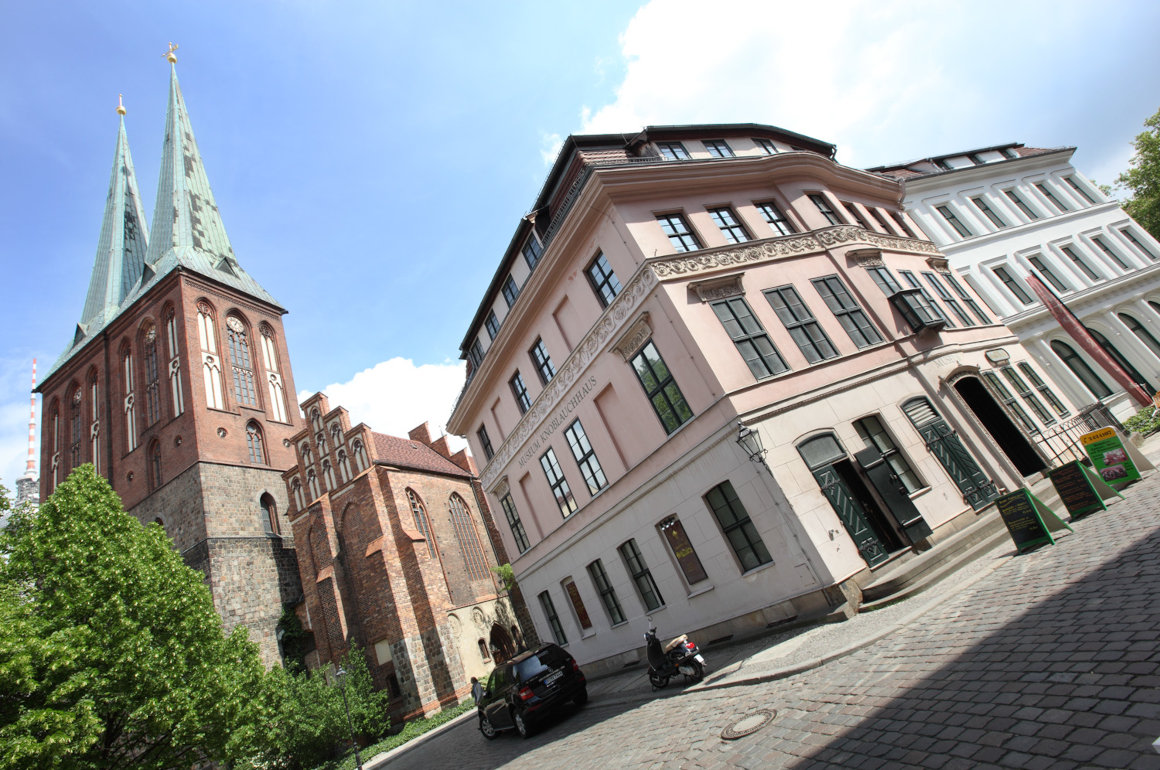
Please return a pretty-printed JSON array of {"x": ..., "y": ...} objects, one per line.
[
  {"x": 176, "y": 384},
  {"x": 396, "y": 546}
]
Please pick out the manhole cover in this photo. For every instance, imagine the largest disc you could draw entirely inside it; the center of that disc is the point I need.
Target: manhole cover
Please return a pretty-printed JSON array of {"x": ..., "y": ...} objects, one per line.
[{"x": 748, "y": 725}]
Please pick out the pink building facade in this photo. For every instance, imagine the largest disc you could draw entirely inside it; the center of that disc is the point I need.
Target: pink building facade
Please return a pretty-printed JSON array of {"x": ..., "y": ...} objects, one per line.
[{"x": 674, "y": 287}]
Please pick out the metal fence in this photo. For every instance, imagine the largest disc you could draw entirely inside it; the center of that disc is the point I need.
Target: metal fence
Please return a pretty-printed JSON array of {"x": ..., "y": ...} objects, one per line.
[{"x": 1061, "y": 442}]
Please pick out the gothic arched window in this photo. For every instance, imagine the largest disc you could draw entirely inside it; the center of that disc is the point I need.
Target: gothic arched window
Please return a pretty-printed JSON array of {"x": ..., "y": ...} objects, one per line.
[
  {"x": 75, "y": 425},
  {"x": 269, "y": 516},
  {"x": 210, "y": 362},
  {"x": 94, "y": 422},
  {"x": 315, "y": 419},
  {"x": 336, "y": 434},
  {"x": 343, "y": 466},
  {"x": 254, "y": 443},
  {"x": 153, "y": 456},
  {"x": 54, "y": 458},
  {"x": 307, "y": 455},
  {"x": 152, "y": 377},
  {"x": 473, "y": 558},
  {"x": 312, "y": 483},
  {"x": 174, "y": 352},
  {"x": 241, "y": 366},
  {"x": 421, "y": 523},
  {"x": 328, "y": 474},
  {"x": 130, "y": 406},
  {"x": 296, "y": 490},
  {"x": 273, "y": 376},
  {"x": 360, "y": 456}
]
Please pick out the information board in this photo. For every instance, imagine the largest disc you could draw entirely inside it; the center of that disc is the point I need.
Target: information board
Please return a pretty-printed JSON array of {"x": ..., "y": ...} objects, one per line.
[
  {"x": 1080, "y": 490},
  {"x": 1110, "y": 459},
  {"x": 1029, "y": 522}
]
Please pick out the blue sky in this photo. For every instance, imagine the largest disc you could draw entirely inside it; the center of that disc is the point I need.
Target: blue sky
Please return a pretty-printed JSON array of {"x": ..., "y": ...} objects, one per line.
[{"x": 371, "y": 159}]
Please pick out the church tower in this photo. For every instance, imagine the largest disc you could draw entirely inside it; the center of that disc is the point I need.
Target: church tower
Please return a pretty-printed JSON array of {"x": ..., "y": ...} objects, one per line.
[{"x": 177, "y": 386}]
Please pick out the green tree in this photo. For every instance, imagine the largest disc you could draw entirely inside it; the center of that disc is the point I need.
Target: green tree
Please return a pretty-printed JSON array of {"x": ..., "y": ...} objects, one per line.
[
  {"x": 111, "y": 653},
  {"x": 1142, "y": 179}
]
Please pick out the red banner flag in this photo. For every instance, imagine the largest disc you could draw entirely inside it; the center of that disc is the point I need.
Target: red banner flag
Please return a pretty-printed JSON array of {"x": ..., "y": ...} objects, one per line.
[{"x": 1085, "y": 340}]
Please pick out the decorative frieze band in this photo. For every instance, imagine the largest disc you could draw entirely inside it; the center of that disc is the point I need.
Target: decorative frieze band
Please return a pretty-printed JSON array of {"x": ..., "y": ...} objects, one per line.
[{"x": 785, "y": 246}]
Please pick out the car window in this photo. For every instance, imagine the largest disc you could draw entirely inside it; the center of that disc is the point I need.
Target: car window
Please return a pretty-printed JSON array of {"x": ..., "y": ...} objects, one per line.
[
  {"x": 529, "y": 667},
  {"x": 495, "y": 682}
]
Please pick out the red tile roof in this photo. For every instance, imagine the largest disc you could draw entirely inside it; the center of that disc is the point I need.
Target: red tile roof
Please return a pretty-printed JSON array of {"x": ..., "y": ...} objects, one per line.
[{"x": 406, "y": 453}]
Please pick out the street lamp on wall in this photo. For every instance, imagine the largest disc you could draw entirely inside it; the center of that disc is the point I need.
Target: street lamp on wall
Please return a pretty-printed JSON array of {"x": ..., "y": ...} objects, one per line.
[
  {"x": 750, "y": 441},
  {"x": 340, "y": 675}
]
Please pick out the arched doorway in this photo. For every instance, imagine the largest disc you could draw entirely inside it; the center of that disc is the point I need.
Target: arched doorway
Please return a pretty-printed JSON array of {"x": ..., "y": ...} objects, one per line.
[
  {"x": 858, "y": 510},
  {"x": 501, "y": 644},
  {"x": 1007, "y": 435}
]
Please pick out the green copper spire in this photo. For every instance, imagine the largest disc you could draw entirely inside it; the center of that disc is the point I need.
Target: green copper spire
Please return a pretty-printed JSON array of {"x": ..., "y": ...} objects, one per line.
[
  {"x": 122, "y": 246},
  {"x": 187, "y": 228}
]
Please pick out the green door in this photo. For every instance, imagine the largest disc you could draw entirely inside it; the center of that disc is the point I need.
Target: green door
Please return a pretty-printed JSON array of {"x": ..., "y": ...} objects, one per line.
[
  {"x": 822, "y": 454},
  {"x": 944, "y": 444},
  {"x": 851, "y": 513}
]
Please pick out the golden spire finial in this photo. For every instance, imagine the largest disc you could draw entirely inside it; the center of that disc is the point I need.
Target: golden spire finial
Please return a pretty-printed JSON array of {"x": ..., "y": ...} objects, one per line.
[
  {"x": 120, "y": 104},
  {"x": 171, "y": 54}
]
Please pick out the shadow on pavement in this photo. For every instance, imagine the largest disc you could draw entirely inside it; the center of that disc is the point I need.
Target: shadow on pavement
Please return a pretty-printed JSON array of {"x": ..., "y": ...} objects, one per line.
[{"x": 1068, "y": 675}]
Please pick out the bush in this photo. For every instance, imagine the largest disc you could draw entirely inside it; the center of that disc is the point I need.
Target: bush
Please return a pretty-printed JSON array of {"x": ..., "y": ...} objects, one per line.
[
  {"x": 306, "y": 720},
  {"x": 1145, "y": 421}
]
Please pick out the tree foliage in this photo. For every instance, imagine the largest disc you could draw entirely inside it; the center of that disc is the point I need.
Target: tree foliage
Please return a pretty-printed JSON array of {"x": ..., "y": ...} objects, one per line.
[
  {"x": 111, "y": 653},
  {"x": 1142, "y": 178}
]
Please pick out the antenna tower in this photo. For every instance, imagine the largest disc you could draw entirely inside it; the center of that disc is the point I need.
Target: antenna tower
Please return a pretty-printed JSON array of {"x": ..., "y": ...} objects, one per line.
[{"x": 30, "y": 469}]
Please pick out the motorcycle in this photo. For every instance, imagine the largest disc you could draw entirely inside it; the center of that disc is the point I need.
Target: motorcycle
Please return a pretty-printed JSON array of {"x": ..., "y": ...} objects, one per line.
[{"x": 679, "y": 656}]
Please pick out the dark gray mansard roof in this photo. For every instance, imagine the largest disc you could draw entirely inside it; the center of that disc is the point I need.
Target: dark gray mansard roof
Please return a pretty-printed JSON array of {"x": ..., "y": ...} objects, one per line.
[{"x": 612, "y": 150}]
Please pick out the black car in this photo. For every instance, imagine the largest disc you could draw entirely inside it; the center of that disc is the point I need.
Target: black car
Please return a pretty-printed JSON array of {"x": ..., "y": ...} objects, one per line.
[{"x": 522, "y": 691}]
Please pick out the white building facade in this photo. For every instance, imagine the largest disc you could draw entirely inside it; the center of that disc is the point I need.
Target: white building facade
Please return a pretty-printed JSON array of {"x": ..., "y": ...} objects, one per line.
[
  {"x": 1005, "y": 212},
  {"x": 671, "y": 286}
]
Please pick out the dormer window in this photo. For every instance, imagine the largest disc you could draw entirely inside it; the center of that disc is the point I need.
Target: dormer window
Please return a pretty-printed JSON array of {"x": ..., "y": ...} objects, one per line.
[
  {"x": 718, "y": 148},
  {"x": 532, "y": 252},
  {"x": 510, "y": 291},
  {"x": 475, "y": 354},
  {"x": 672, "y": 151},
  {"x": 766, "y": 146}
]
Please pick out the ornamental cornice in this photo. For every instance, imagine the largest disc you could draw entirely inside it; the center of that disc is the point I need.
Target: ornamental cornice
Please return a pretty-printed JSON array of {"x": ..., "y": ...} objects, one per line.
[
  {"x": 608, "y": 327},
  {"x": 719, "y": 288},
  {"x": 784, "y": 246},
  {"x": 634, "y": 338}
]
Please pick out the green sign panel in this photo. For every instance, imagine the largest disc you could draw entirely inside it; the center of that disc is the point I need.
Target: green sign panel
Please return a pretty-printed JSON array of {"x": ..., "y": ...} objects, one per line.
[
  {"x": 1081, "y": 491},
  {"x": 1109, "y": 458},
  {"x": 1029, "y": 522}
]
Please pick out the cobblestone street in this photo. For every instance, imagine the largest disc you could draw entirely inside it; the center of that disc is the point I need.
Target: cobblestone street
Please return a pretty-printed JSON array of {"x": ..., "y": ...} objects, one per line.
[{"x": 1050, "y": 660}]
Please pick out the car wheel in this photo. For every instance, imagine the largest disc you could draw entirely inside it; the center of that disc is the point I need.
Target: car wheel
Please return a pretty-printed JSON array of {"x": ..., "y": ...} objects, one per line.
[
  {"x": 486, "y": 727},
  {"x": 581, "y": 697},
  {"x": 657, "y": 679},
  {"x": 522, "y": 726},
  {"x": 698, "y": 671}
]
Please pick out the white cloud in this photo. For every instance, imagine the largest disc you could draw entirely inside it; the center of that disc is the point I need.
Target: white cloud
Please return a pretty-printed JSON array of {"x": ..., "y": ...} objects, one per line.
[
  {"x": 824, "y": 69},
  {"x": 550, "y": 145},
  {"x": 395, "y": 396},
  {"x": 887, "y": 80}
]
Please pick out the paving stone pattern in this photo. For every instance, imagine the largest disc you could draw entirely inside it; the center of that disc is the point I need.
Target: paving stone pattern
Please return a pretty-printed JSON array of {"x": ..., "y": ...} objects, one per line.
[{"x": 1049, "y": 661}]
